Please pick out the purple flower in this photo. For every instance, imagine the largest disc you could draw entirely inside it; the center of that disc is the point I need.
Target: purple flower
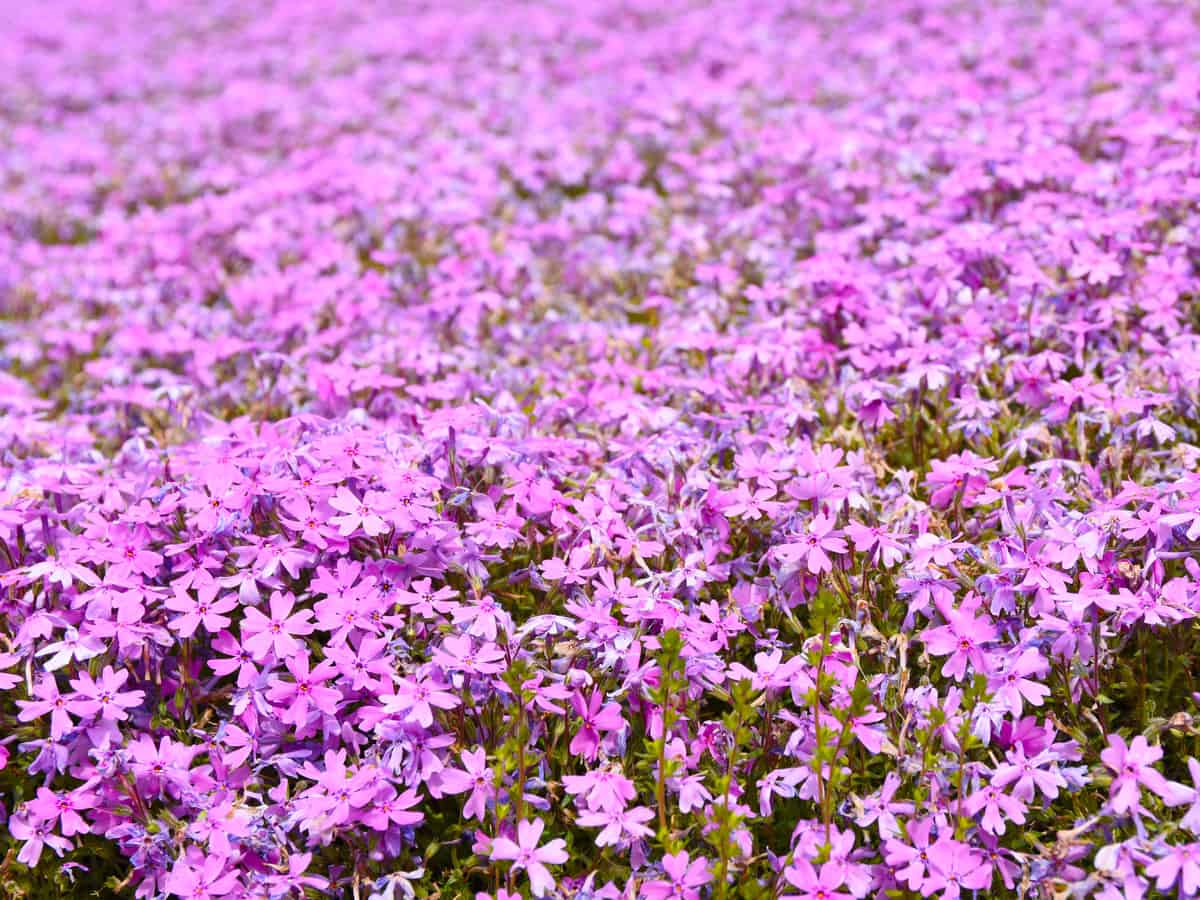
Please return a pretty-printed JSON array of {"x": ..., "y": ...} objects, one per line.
[
  {"x": 104, "y": 697},
  {"x": 35, "y": 835},
  {"x": 475, "y": 776}
]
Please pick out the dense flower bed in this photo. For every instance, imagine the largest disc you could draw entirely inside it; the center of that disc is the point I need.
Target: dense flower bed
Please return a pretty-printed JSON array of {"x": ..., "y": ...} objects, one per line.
[{"x": 599, "y": 449}]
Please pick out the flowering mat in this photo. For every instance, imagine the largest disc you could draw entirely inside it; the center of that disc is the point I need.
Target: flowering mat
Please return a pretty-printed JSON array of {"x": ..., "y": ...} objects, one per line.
[{"x": 599, "y": 449}]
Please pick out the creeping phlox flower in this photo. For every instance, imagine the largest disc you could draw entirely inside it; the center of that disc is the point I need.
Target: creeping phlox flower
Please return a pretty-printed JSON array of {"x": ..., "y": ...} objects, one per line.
[
  {"x": 526, "y": 855},
  {"x": 599, "y": 450}
]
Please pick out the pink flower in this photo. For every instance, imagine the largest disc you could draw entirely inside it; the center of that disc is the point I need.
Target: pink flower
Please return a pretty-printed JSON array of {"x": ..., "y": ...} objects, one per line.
[
  {"x": 814, "y": 884},
  {"x": 960, "y": 477},
  {"x": 475, "y": 776},
  {"x": 885, "y": 550},
  {"x": 1190, "y": 797},
  {"x": 617, "y": 826},
  {"x": 204, "y": 609},
  {"x": 574, "y": 571},
  {"x": 997, "y": 807},
  {"x": 686, "y": 877},
  {"x": 1026, "y": 774},
  {"x": 526, "y": 854},
  {"x": 200, "y": 880},
  {"x": 458, "y": 653},
  {"x": 50, "y": 701},
  {"x": 65, "y": 807},
  {"x": 597, "y": 717},
  {"x": 955, "y": 867},
  {"x": 388, "y": 808},
  {"x": 962, "y": 638},
  {"x": 1013, "y": 686},
  {"x": 910, "y": 857},
  {"x": 813, "y": 547},
  {"x": 72, "y": 648},
  {"x": 358, "y": 514},
  {"x": 425, "y": 601},
  {"x": 486, "y": 617},
  {"x": 1133, "y": 767},
  {"x": 295, "y": 880},
  {"x": 604, "y": 789},
  {"x": 881, "y": 808},
  {"x": 1095, "y": 265},
  {"x": 235, "y": 658},
  {"x": 415, "y": 699}
]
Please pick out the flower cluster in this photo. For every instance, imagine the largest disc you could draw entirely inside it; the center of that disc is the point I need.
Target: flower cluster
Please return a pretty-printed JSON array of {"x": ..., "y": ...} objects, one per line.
[{"x": 600, "y": 450}]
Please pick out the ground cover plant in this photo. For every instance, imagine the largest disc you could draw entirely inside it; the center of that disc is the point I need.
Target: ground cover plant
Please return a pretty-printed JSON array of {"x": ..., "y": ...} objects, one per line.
[{"x": 599, "y": 449}]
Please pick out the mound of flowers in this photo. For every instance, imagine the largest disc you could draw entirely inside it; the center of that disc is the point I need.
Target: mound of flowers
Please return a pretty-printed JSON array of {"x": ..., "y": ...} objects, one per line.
[{"x": 600, "y": 450}]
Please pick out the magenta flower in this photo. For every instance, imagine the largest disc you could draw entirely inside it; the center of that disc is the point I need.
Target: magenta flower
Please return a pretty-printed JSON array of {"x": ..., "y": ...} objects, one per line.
[
  {"x": 305, "y": 691},
  {"x": 1132, "y": 766},
  {"x": 277, "y": 634},
  {"x": 202, "y": 880}
]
